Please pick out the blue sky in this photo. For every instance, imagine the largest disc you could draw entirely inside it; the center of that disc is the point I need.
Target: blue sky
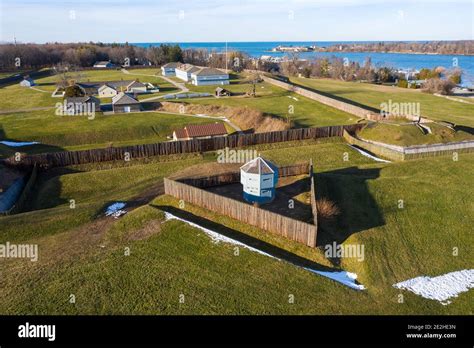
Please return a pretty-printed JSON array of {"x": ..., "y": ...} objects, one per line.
[{"x": 236, "y": 20}]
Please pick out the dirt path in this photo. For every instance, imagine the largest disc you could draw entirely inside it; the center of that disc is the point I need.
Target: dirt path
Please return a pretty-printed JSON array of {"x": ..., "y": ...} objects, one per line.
[{"x": 180, "y": 86}]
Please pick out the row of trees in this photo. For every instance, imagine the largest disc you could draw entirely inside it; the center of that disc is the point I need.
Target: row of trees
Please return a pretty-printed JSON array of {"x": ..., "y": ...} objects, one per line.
[
  {"x": 31, "y": 56},
  {"x": 437, "y": 47},
  {"x": 437, "y": 80},
  {"x": 27, "y": 56},
  {"x": 338, "y": 68}
]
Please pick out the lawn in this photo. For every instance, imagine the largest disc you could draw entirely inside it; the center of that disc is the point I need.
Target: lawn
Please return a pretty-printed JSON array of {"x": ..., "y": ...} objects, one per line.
[
  {"x": 14, "y": 97},
  {"x": 303, "y": 112},
  {"x": 409, "y": 134},
  {"x": 84, "y": 255},
  {"x": 273, "y": 100},
  {"x": 431, "y": 106},
  {"x": 78, "y": 132}
]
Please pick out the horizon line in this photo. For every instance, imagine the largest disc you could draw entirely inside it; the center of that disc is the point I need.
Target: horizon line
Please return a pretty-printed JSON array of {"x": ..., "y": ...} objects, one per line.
[{"x": 257, "y": 41}]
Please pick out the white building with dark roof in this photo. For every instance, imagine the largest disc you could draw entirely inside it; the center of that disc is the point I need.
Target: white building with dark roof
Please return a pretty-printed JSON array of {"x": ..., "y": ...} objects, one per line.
[
  {"x": 169, "y": 69},
  {"x": 80, "y": 105},
  {"x": 27, "y": 82},
  {"x": 103, "y": 64},
  {"x": 209, "y": 76},
  {"x": 123, "y": 103},
  {"x": 184, "y": 71}
]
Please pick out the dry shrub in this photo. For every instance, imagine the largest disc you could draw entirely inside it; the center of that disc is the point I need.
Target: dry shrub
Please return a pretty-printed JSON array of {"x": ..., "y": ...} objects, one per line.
[
  {"x": 327, "y": 209},
  {"x": 244, "y": 117},
  {"x": 440, "y": 86}
]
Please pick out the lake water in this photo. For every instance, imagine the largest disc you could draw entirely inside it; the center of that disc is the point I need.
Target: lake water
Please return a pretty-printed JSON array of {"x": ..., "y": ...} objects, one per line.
[{"x": 394, "y": 60}]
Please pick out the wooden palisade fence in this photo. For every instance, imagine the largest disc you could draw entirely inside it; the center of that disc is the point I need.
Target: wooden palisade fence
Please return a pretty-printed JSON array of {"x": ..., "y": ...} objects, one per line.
[
  {"x": 314, "y": 207},
  {"x": 296, "y": 230},
  {"x": 399, "y": 153},
  {"x": 66, "y": 158}
]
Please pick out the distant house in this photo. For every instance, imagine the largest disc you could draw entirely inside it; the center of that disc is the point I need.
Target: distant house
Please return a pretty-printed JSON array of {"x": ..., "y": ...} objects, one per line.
[
  {"x": 112, "y": 88},
  {"x": 209, "y": 76},
  {"x": 169, "y": 69},
  {"x": 221, "y": 92},
  {"x": 106, "y": 90},
  {"x": 184, "y": 71},
  {"x": 103, "y": 64},
  {"x": 123, "y": 102},
  {"x": 27, "y": 82},
  {"x": 136, "y": 87},
  {"x": 80, "y": 105},
  {"x": 200, "y": 131}
]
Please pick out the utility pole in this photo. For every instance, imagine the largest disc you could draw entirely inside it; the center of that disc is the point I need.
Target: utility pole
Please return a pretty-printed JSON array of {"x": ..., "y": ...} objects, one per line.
[{"x": 226, "y": 56}]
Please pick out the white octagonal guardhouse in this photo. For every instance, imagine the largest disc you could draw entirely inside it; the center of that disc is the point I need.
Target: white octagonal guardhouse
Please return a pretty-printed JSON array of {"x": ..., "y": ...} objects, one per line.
[{"x": 259, "y": 179}]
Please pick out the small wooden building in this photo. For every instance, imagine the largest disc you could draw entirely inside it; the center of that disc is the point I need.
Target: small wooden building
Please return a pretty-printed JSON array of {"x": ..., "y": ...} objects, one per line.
[
  {"x": 123, "y": 103},
  {"x": 81, "y": 105},
  {"x": 222, "y": 92},
  {"x": 200, "y": 131},
  {"x": 103, "y": 64},
  {"x": 27, "y": 82}
]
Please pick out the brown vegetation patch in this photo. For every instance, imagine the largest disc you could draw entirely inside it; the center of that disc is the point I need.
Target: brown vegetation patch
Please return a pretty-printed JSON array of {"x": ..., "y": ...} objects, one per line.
[
  {"x": 327, "y": 210},
  {"x": 152, "y": 227},
  {"x": 244, "y": 117}
]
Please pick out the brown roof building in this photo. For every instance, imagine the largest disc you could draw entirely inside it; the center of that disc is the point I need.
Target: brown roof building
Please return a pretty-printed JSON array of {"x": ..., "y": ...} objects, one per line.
[{"x": 200, "y": 131}]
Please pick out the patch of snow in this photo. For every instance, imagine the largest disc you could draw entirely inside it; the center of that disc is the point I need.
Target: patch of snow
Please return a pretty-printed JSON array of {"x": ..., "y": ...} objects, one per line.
[
  {"x": 116, "y": 210},
  {"x": 440, "y": 288},
  {"x": 366, "y": 154},
  {"x": 18, "y": 143},
  {"x": 343, "y": 277}
]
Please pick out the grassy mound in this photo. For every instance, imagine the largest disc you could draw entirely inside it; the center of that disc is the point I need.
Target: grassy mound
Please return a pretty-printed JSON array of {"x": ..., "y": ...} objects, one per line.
[
  {"x": 405, "y": 134},
  {"x": 244, "y": 117}
]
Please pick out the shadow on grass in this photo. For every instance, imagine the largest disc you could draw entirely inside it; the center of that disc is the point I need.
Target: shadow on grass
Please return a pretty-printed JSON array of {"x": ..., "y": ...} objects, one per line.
[
  {"x": 9, "y": 151},
  {"x": 359, "y": 211},
  {"x": 339, "y": 98},
  {"x": 246, "y": 239},
  {"x": 466, "y": 129}
]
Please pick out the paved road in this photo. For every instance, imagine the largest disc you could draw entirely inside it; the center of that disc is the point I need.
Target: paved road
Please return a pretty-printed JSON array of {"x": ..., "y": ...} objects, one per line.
[{"x": 181, "y": 86}]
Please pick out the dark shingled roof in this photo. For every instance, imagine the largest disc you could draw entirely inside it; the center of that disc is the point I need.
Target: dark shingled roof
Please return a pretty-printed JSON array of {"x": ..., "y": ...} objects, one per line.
[
  {"x": 171, "y": 65},
  {"x": 209, "y": 72},
  {"x": 81, "y": 100},
  {"x": 124, "y": 99}
]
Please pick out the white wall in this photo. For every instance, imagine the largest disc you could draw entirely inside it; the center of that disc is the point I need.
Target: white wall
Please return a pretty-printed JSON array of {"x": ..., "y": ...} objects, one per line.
[{"x": 183, "y": 75}]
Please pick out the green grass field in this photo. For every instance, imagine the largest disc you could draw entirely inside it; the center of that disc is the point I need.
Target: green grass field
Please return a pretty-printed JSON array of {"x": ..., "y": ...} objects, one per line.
[
  {"x": 302, "y": 111},
  {"x": 83, "y": 254},
  {"x": 75, "y": 133},
  {"x": 79, "y": 132},
  {"x": 15, "y": 97},
  {"x": 436, "y": 108}
]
